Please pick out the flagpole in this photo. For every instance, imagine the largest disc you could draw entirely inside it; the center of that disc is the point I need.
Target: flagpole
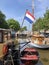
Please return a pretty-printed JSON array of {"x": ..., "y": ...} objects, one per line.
[
  {"x": 32, "y": 10},
  {"x": 23, "y": 18},
  {"x": 21, "y": 27},
  {"x": 20, "y": 30}
]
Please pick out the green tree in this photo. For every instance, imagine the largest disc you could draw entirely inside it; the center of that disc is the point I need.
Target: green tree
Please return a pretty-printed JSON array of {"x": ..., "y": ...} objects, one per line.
[
  {"x": 3, "y": 23},
  {"x": 23, "y": 29},
  {"x": 38, "y": 24},
  {"x": 42, "y": 23},
  {"x": 46, "y": 15},
  {"x": 13, "y": 24},
  {"x": 46, "y": 19}
]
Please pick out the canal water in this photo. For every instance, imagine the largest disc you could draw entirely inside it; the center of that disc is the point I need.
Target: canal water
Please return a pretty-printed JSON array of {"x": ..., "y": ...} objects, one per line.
[{"x": 44, "y": 56}]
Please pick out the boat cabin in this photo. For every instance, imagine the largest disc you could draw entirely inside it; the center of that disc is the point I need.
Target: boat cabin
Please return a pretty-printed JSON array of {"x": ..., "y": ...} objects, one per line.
[
  {"x": 5, "y": 37},
  {"x": 5, "y": 34},
  {"x": 21, "y": 34},
  {"x": 38, "y": 39}
]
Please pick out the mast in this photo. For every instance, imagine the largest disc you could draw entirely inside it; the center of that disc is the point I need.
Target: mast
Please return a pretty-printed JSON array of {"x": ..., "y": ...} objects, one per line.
[
  {"x": 32, "y": 7},
  {"x": 32, "y": 11}
]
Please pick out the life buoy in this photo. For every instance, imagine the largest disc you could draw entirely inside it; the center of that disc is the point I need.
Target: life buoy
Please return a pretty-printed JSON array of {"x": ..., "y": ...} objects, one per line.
[{"x": 5, "y": 49}]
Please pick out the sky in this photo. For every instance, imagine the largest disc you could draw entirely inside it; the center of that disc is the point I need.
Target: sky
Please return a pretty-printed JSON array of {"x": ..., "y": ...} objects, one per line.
[{"x": 16, "y": 9}]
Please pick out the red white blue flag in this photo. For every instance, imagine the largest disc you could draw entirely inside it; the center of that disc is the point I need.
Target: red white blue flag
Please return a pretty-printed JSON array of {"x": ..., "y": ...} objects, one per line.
[{"x": 29, "y": 17}]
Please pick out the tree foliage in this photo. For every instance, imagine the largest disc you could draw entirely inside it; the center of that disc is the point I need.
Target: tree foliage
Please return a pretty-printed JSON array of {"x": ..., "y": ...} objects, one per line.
[
  {"x": 23, "y": 29},
  {"x": 3, "y": 23},
  {"x": 13, "y": 24},
  {"x": 42, "y": 23}
]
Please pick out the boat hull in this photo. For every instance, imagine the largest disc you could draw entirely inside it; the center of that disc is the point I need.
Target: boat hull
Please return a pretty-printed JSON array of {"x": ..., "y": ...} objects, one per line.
[
  {"x": 38, "y": 46},
  {"x": 29, "y": 55},
  {"x": 29, "y": 61}
]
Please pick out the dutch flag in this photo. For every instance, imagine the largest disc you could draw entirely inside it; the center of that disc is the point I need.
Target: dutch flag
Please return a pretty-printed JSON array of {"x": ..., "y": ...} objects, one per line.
[{"x": 29, "y": 17}]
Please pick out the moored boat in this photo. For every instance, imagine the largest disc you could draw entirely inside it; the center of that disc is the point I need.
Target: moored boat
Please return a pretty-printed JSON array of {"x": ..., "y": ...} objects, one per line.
[
  {"x": 39, "y": 41},
  {"x": 29, "y": 56}
]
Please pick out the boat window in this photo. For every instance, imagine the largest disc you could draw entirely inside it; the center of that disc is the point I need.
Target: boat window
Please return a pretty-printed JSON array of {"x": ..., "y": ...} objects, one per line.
[
  {"x": 5, "y": 36},
  {"x": 0, "y": 37},
  {"x": 46, "y": 34},
  {"x": 21, "y": 35}
]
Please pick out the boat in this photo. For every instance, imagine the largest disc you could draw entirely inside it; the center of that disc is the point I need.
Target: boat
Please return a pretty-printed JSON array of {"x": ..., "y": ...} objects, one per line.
[
  {"x": 39, "y": 46},
  {"x": 39, "y": 41},
  {"x": 29, "y": 56}
]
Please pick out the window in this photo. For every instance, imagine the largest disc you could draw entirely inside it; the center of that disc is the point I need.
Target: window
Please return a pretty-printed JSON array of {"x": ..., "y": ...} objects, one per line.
[{"x": 0, "y": 37}]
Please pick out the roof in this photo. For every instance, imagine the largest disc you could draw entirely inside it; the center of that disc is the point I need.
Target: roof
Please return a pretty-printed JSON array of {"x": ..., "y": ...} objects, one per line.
[
  {"x": 39, "y": 36},
  {"x": 4, "y": 29}
]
